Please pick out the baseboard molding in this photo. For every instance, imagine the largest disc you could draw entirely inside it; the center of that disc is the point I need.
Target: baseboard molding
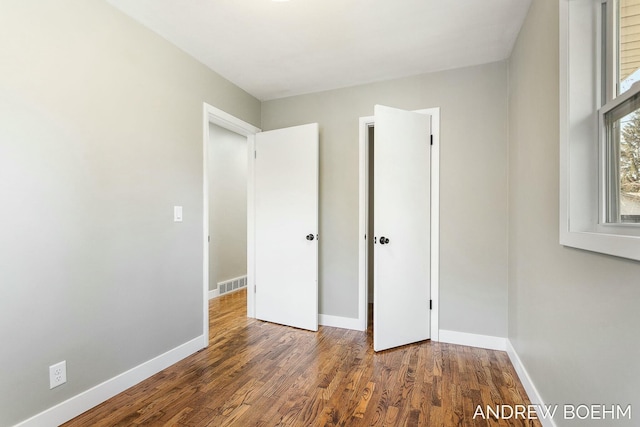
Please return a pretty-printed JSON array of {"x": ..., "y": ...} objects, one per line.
[
  {"x": 341, "y": 322},
  {"x": 527, "y": 383},
  {"x": 86, "y": 400},
  {"x": 473, "y": 340}
]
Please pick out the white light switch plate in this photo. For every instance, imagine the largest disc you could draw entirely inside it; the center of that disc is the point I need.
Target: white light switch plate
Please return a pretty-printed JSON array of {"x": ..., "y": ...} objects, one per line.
[{"x": 177, "y": 213}]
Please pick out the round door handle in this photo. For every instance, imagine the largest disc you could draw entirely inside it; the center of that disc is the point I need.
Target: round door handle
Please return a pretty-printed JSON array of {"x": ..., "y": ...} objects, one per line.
[
  {"x": 310, "y": 237},
  {"x": 383, "y": 240}
]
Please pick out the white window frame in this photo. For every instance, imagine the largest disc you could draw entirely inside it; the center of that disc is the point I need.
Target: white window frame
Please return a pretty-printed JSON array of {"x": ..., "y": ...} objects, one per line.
[{"x": 581, "y": 144}]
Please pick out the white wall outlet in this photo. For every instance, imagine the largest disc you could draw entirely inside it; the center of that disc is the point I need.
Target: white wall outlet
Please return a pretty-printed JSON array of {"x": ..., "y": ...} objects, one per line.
[
  {"x": 57, "y": 374},
  {"x": 177, "y": 213}
]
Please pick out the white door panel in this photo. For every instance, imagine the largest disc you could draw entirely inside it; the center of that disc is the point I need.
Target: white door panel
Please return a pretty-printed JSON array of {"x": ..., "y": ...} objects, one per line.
[
  {"x": 286, "y": 207},
  {"x": 401, "y": 215}
]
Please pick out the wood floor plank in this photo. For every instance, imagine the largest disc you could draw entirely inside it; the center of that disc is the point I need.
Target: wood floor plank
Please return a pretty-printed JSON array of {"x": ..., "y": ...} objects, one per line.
[{"x": 258, "y": 374}]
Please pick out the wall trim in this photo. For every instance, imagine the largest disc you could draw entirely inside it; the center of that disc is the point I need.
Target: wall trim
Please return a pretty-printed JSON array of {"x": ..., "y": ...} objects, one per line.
[
  {"x": 527, "y": 383},
  {"x": 340, "y": 322},
  {"x": 214, "y": 293},
  {"x": 473, "y": 340},
  {"x": 88, "y": 399}
]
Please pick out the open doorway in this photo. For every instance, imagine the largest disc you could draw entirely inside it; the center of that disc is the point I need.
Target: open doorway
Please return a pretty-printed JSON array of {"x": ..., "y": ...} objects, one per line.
[
  {"x": 245, "y": 131},
  {"x": 370, "y": 223},
  {"x": 227, "y": 176},
  {"x": 258, "y": 198}
]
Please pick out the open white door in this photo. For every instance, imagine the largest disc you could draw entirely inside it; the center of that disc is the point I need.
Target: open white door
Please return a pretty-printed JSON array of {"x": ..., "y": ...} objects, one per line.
[
  {"x": 401, "y": 228},
  {"x": 286, "y": 226}
]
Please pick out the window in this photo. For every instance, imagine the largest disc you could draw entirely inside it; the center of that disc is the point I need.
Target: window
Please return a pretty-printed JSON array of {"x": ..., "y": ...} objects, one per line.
[{"x": 600, "y": 126}]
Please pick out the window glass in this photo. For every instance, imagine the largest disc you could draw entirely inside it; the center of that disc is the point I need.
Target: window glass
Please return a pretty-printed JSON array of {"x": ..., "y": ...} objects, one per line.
[{"x": 622, "y": 125}]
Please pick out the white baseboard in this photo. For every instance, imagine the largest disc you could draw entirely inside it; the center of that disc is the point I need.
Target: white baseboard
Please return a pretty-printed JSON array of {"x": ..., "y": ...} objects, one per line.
[
  {"x": 473, "y": 340},
  {"x": 340, "y": 322},
  {"x": 86, "y": 400},
  {"x": 527, "y": 383}
]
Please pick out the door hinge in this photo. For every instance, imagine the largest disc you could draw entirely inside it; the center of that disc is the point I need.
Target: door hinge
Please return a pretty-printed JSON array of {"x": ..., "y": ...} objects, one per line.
[
  {"x": 209, "y": 239},
  {"x": 430, "y": 304},
  {"x": 431, "y": 139},
  {"x": 255, "y": 154},
  {"x": 255, "y": 288}
]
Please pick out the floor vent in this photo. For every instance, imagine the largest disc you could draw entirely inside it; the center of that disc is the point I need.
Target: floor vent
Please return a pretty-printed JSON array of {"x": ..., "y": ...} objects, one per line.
[{"x": 232, "y": 285}]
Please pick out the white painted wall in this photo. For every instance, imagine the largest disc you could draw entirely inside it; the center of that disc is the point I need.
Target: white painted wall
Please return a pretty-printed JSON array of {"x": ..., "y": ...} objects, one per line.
[
  {"x": 473, "y": 164},
  {"x": 227, "y": 169},
  {"x": 100, "y": 136}
]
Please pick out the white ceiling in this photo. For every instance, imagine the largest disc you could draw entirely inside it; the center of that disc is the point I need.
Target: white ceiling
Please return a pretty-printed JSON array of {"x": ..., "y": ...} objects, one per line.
[{"x": 274, "y": 49}]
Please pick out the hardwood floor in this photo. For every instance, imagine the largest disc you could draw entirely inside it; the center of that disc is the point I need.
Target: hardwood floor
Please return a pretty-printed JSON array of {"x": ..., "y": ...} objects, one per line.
[{"x": 259, "y": 374}]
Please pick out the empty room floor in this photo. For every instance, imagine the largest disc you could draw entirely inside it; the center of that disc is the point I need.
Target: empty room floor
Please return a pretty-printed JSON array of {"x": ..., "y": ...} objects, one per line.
[{"x": 256, "y": 373}]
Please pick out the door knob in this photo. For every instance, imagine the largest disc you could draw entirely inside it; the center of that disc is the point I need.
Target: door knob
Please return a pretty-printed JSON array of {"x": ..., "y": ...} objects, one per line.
[
  {"x": 383, "y": 240},
  {"x": 309, "y": 237}
]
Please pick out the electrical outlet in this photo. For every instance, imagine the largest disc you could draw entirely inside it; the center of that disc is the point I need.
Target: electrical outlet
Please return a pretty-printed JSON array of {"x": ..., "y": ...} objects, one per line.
[{"x": 57, "y": 374}]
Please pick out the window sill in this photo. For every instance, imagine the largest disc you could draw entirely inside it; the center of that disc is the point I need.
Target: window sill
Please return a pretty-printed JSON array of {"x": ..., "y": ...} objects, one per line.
[{"x": 623, "y": 246}]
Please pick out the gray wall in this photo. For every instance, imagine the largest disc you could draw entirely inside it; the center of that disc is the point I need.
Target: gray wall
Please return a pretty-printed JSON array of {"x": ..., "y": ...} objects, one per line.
[
  {"x": 573, "y": 315},
  {"x": 100, "y": 135},
  {"x": 473, "y": 226},
  {"x": 227, "y": 169}
]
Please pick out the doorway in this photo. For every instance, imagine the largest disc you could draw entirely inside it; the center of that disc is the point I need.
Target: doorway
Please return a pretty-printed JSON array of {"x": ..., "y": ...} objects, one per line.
[
  {"x": 264, "y": 160},
  {"x": 215, "y": 116},
  {"x": 366, "y": 219},
  {"x": 227, "y": 173}
]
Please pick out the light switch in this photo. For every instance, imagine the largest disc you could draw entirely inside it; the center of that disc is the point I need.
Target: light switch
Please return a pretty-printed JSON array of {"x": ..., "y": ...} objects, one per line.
[{"x": 177, "y": 214}]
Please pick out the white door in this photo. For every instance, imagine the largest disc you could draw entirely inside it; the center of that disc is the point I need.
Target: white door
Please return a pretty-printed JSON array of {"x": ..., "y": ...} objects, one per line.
[
  {"x": 401, "y": 227},
  {"x": 286, "y": 226}
]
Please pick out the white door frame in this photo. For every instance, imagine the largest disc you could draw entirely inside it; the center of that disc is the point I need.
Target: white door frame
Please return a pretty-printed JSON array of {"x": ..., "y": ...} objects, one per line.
[
  {"x": 365, "y": 124},
  {"x": 225, "y": 120}
]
